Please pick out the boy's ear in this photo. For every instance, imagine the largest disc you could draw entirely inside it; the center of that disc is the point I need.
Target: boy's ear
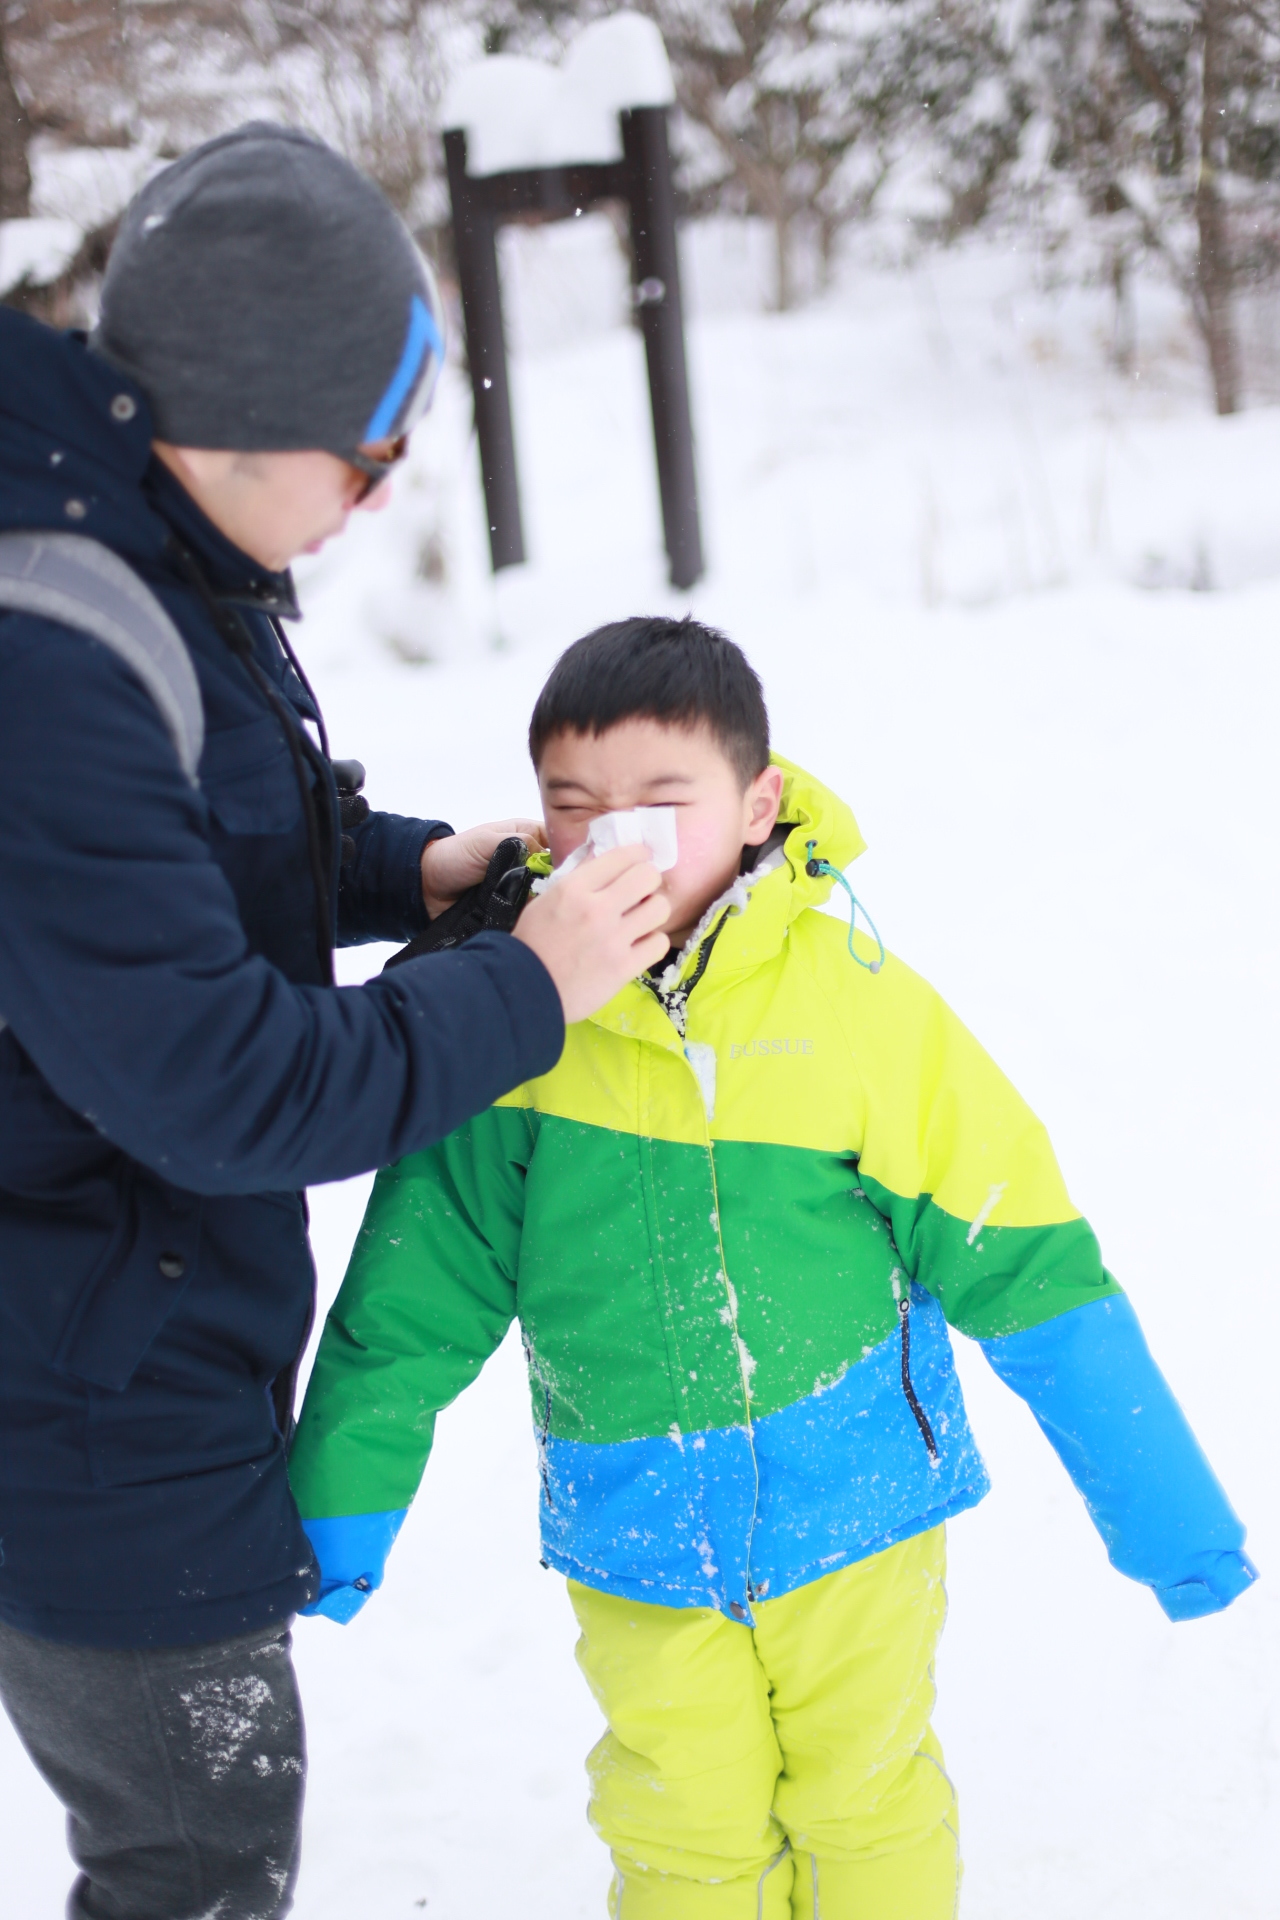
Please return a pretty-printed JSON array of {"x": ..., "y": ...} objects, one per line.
[{"x": 762, "y": 801}]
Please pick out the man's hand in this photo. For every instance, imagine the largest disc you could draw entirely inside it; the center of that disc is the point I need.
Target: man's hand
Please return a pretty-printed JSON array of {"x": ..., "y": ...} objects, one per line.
[
  {"x": 451, "y": 865},
  {"x": 598, "y": 928}
]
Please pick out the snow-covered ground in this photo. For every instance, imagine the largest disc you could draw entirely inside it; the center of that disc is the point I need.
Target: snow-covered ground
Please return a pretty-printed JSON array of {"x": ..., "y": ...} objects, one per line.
[{"x": 1026, "y": 616}]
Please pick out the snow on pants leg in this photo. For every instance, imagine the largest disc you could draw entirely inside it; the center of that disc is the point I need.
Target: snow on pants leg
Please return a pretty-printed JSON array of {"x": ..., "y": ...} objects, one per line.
[
  {"x": 781, "y": 1772},
  {"x": 182, "y": 1770}
]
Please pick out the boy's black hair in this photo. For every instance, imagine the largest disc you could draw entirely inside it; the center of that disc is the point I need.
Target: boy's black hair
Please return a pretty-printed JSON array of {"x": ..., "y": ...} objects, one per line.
[{"x": 675, "y": 671}]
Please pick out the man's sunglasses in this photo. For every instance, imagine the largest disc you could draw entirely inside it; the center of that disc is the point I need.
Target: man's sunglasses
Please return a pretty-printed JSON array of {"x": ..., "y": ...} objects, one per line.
[{"x": 375, "y": 471}]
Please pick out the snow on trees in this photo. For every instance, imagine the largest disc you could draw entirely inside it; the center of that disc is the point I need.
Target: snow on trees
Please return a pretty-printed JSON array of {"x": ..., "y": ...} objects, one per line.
[
  {"x": 1166, "y": 117},
  {"x": 1108, "y": 132}
]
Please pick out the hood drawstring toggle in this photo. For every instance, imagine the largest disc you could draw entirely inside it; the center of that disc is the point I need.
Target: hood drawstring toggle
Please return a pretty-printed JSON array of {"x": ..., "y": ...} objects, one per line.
[{"x": 814, "y": 868}]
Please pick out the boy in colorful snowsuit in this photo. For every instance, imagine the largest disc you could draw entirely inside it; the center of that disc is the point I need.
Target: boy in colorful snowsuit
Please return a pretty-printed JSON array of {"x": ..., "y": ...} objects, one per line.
[{"x": 734, "y": 1222}]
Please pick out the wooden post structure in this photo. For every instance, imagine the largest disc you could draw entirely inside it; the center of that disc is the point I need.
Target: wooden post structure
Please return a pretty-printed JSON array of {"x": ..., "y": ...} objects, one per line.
[
  {"x": 642, "y": 180},
  {"x": 656, "y": 290},
  {"x": 475, "y": 239}
]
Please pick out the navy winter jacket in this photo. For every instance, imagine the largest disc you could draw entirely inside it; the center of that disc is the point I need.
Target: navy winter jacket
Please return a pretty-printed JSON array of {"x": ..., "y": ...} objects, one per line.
[{"x": 174, "y": 1071}]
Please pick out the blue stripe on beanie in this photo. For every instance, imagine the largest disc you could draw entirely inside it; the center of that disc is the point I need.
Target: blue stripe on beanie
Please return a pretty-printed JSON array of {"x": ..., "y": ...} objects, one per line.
[{"x": 423, "y": 337}]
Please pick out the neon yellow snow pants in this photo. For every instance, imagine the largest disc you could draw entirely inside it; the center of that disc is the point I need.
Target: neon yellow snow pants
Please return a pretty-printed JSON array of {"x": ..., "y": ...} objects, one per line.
[{"x": 781, "y": 1772}]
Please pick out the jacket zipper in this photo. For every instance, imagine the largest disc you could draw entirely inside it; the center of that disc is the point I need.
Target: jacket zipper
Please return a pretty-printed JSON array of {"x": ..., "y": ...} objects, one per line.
[
  {"x": 922, "y": 1418},
  {"x": 899, "y": 1278},
  {"x": 542, "y": 1432},
  {"x": 674, "y": 1000}
]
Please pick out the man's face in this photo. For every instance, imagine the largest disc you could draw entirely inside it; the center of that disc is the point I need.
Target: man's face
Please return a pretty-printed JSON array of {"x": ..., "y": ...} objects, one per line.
[
  {"x": 274, "y": 506},
  {"x": 645, "y": 763}
]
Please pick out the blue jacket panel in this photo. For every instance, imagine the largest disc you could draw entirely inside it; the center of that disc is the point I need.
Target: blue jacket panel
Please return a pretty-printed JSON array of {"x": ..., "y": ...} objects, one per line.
[
  {"x": 731, "y": 1515},
  {"x": 174, "y": 1070},
  {"x": 1111, "y": 1417}
]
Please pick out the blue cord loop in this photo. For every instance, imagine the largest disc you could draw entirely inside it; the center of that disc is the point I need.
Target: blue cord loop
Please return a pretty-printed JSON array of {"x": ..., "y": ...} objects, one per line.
[{"x": 815, "y": 867}]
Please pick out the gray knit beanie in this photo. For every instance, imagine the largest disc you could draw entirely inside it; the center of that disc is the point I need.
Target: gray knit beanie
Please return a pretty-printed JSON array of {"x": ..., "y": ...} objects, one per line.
[{"x": 266, "y": 297}]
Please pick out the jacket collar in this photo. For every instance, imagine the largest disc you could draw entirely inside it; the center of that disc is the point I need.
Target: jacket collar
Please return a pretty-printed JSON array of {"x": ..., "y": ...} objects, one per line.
[
  {"x": 235, "y": 578},
  {"x": 75, "y": 455}
]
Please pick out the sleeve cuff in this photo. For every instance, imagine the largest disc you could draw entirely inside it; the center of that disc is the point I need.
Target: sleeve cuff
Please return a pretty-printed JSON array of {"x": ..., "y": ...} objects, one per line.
[
  {"x": 415, "y": 907},
  {"x": 1223, "y": 1578},
  {"x": 340, "y": 1603},
  {"x": 352, "y": 1551},
  {"x": 380, "y": 887}
]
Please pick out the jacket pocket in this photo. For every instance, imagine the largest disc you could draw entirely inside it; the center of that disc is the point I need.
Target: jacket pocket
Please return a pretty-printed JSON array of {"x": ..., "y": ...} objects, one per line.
[
  {"x": 248, "y": 779},
  {"x": 201, "y": 1398},
  {"x": 144, "y": 1272},
  {"x": 160, "y": 1430}
]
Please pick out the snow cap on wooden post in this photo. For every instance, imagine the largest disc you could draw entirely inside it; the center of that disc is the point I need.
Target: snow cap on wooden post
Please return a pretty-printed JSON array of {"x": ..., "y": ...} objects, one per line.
[
  {"x": 519, "y": 113},
  {"x": 524, "y": 139}
]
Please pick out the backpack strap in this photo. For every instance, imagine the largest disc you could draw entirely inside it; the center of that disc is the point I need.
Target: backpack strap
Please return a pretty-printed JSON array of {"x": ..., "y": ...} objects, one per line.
[
  {"x": 82, "y": 584},
  {"x": 79, "y": 583}
]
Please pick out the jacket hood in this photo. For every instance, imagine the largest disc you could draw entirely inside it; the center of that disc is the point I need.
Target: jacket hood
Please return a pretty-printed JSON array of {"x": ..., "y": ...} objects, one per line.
[
  {"x": 75, "y": 457},
  {"x": 762, "y": 906},
  {"x": 814, "y": 813},
  {"x": 75, "y": 441}
]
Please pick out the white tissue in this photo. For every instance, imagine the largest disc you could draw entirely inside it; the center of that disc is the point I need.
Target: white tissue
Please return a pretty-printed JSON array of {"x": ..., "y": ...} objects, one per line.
[{"x": 652, "y": 827}]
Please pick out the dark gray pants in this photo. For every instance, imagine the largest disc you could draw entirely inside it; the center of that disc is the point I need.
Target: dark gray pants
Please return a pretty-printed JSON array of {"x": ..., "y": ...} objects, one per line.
[{"x": 182, "y": 1770}]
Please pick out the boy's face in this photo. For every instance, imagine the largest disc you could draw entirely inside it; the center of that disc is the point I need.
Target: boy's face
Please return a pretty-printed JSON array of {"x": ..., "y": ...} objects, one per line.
[{"x": 646, "y": 763}]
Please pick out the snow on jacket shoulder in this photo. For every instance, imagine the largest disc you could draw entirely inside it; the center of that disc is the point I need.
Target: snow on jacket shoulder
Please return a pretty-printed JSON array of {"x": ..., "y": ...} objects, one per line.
[
  {"x": 173, "y": 1069},
  {"x": 734, "y": 1251}
]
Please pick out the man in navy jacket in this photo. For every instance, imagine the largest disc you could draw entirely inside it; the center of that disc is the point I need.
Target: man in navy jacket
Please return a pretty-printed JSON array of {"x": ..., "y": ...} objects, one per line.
[{"x": 175, "y": 1062}]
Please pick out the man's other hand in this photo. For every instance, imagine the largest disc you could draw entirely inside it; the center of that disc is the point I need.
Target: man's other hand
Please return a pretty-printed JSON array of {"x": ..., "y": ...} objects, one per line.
[
  {"x": 598, "y": 928},
  {"x": 460, "y": 860}
]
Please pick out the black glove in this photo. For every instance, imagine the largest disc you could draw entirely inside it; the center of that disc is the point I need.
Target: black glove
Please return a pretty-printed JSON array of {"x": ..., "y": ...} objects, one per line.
[{"x": 492, "y": 906}]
